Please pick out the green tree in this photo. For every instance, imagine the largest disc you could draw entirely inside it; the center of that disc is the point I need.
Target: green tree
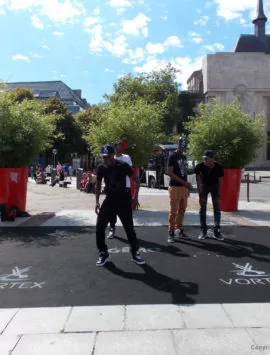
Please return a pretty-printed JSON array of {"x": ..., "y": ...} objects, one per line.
[
  {"x": 155, "y": 87},
  {"x": 138, "y": 123},
  {"x": 19, "y": 94},
  {"x": 233, "y": 135},
  {"x": 185, "y": 110},
  {"x": 67, "y": 137},
  {"x": 25, "y": 130}
]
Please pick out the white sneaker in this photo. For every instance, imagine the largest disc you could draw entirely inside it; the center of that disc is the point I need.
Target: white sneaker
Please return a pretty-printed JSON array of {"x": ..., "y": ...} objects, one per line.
[{"x": 111, "y": 234}]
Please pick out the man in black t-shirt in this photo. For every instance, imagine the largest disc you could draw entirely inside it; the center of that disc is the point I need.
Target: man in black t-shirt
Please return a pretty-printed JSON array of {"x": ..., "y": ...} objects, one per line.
[
  {"x": 117, "y": 202},
  {"x": 178, "y": 192},
  {"x": 209, "y": 176}
]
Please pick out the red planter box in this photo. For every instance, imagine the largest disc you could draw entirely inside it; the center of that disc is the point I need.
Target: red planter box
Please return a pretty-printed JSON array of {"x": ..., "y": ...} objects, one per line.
[
  {"x": 13, "y": 187},
  {"x": 230, "y": 190}
]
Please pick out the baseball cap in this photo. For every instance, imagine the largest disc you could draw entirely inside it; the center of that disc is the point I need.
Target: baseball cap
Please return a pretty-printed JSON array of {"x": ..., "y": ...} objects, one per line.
[
  {"x": 182, "y": 142},
  {"x": 208, "y": 154},
  {"x": 107, "y": 150}
]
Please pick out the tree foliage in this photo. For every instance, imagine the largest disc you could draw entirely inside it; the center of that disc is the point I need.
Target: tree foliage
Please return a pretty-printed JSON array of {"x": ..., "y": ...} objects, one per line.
[
  {"x": 67, "y": 136},
  {"x": 20, "y": 94},
  {"x": 25, "y": 130},
  {"x": 155, "y": 87},
  {"x": 233, "y": 135},
  {"x": 138, "y": 123},
  {"x": 185, "y": 110}
]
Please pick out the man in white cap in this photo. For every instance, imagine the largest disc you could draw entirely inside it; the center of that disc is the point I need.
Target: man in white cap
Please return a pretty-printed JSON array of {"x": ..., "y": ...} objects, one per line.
[
  {"x": 117, "y": 202},
  {"x": 118, "y": 155}
]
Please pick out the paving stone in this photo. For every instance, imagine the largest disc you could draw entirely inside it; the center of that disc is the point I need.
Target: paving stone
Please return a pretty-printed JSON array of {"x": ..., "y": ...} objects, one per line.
[
  {"x": 213, "y": 342},
  {"x": 205, "y": 316},
  {"x": 100, "y": 318},
  {"x": 261, "y": 338},
  {"x": 55, "y": 344},
  {"x": 8, "y": 343},
  {"x": 249, "y": 314},
  {"x": 38, "y": 320},
  {"x": 150, "y": 317},
  {"x": 5, "y": 317},
  {"x": 135, "y": 343}
]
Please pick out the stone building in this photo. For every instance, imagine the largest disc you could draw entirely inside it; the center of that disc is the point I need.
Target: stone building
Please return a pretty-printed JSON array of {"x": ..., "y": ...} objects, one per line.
[{"x": 244, "y": 73}]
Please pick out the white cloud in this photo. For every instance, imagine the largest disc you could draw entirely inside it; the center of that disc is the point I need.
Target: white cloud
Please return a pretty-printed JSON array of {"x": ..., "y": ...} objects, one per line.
[
  {"x": 158, "y": 48},
  {"x": 120, "y": 3},
  {"x": 134, "y": 56},
  {"x": 137, "y": 25},
  {"x": 232, "y": 9},
  {"x": 208, "y": 4},
  {"x": 213, "y": 47},
  {"x": 117, "y": 47},
  {"x": 89, "y": 22},
  {"x": 55, "y": 10},
  {"x": 202, "y": 21},
  {"x": 58, "y": 34},
  {"x": 96, "y": 44},
  {"x": 34, "y": 55},
  {"x": 2, "y": 12},
  {"x": 173, "y": 41},
  {"x": 96, "y": 11},
  {"x": 36, "y": 22},
  {"x": 164, "y": 18},
  {"x": 186, "y": 66},
  {"x": 195, "y": 37},
  {"x": 44, "y": 46},
  {"x": 108, "y": 70},
  {"x": 20, "y": 57},
  {"x": 155, "y": 48}
]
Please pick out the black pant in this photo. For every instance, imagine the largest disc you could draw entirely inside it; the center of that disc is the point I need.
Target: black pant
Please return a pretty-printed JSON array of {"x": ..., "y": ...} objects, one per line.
[
  {"x": 113, "y": 220},
  {"x": 214, "y": 191},
  {"x": 159, "y": 176},
  {"x": 112, "y": 206}
]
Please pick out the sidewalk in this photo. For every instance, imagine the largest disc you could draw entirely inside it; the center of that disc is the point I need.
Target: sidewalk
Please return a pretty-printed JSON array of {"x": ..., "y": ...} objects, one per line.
[{"x": 223, "y": 329}]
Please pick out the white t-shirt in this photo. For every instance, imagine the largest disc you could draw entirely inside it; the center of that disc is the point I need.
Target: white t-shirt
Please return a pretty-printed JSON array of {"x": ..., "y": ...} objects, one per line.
[{"x": 125, "y": 158}]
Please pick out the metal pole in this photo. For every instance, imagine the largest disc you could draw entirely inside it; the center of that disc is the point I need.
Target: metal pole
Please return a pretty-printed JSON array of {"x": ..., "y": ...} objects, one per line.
[
  {"x": 248, "y": 187},
  {"x": 54, "y": 160}
]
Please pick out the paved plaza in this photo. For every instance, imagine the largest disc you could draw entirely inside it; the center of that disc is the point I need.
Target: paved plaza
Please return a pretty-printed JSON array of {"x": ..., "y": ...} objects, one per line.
[{"x": 192, "y": 297}]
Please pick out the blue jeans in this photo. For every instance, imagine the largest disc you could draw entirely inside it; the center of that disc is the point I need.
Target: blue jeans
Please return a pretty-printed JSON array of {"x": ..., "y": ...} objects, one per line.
[{"x": 214, "y": 191}]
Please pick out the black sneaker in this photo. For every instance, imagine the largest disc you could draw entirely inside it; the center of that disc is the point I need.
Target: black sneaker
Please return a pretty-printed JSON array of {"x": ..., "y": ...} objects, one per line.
[
  {"x": 203, "y": 235},
  {"x": 103, "y": 257},
  {"x": 138, "y": 259},
  {"x": 111, "y": 234},
  {"x": 218, "y": 235}
]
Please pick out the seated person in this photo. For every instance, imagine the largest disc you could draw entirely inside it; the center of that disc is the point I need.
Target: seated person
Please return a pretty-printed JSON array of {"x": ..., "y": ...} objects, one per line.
[
  {"x": 83, "y": 182},
  {"x": 89, "y": 184},
  {"x": 38, "y": 176}
]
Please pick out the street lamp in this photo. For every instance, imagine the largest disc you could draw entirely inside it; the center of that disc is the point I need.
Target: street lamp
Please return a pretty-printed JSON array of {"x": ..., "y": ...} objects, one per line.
[{"x": 54, "y": 154}]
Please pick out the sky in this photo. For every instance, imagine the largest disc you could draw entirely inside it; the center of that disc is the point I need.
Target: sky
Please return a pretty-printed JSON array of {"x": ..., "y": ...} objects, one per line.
[{"x": 90, "y": 44}]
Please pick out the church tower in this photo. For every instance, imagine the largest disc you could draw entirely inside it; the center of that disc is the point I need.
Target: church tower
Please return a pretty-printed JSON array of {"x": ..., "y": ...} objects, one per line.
[{"x": 260, "y": 21}]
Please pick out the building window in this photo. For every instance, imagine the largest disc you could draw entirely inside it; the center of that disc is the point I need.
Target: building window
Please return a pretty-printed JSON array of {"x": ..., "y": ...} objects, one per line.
[{"x": 268, "y": 145}]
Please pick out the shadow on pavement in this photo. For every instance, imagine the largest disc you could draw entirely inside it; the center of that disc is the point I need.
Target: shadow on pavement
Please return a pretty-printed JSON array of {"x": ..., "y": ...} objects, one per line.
[{"x": 178, "y": 290}]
